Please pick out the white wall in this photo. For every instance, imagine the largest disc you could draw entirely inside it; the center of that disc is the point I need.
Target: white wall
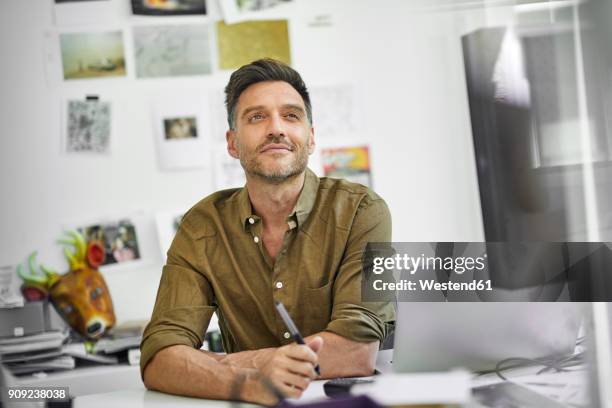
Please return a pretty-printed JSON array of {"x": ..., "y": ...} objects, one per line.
[{"x": 409, "y": 73}]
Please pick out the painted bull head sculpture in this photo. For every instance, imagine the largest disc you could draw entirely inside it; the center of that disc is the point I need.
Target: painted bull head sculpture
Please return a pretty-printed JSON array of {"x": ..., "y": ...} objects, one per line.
[{"x": 80, "y": 295}]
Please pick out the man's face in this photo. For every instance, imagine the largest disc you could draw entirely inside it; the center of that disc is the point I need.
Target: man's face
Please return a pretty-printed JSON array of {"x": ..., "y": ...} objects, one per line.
[{"x": 272, "y": 135}]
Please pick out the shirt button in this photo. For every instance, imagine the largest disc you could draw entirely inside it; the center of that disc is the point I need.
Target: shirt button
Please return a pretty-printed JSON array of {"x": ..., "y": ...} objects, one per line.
[
  {"x": 279, "y": 285},
  {"x": 256, "y": 239},
  {"x": 286, "y": 335},
  {"x": 251, "y": 221}
]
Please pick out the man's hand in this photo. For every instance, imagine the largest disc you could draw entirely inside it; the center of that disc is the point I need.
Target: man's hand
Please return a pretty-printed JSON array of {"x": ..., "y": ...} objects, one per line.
[{"x": 290, "y": 369}]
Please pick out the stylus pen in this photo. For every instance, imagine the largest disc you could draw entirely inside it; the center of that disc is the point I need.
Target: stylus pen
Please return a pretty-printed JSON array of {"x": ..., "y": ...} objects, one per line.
[{"x": 295, "y": 333}]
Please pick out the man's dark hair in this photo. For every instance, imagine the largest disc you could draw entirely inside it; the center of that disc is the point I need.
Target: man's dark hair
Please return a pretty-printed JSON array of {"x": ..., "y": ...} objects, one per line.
[{"x": 266, "y": 69}]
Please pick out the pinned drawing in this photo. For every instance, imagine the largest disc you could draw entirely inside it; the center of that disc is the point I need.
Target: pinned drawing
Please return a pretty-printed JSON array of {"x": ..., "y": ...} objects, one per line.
[
  {"x": 228, "y": 172},
  {"x": 178, "y": 50},
  {"x": 335, "y": 111},
  {"x": 87, "y": 126}
]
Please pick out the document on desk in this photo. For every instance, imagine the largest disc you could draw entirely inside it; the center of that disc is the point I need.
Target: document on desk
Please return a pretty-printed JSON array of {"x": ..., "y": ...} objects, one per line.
[{"x": 421, "y": 388}]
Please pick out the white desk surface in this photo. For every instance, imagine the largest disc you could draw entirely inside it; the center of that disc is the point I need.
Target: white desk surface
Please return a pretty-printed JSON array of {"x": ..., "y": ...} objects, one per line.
[
  {"x": 141, "y": 397},
  {"x": 132, "y": 392},
  {"x": 150, "y": 399},
  {"x": 89, "y": 380}
]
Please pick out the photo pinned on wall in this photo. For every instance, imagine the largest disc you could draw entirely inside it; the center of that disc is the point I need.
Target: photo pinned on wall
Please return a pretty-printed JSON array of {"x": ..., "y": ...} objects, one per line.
[
  {"x": 119, "y": 239},
  {"x": 168, "y": 7},
  {"x": 176, "y": 50},
  {"x": 350, "y": 163},
  {"x": 87, "y": 126},
  {"x": 180, "y": 130},
  {"x": 235, "y": 11},
  {"x": 242, "y": 43},
  {"x": 167, "y": 223},
  {"x": 92, "y": 54}
]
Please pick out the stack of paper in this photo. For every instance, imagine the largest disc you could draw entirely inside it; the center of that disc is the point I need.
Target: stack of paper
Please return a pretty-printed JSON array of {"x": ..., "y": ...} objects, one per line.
[
  {"x": 78, "y": 351},
  {"x": 35, "y": 342},
  {"x": 38, "y": 352},
  {"x": 111, "y": 346}
]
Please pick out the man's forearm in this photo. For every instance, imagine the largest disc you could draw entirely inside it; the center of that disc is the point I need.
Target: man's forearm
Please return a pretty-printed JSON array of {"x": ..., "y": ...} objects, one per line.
[
  {"x": 246, "y": 359},
  {"x": 183, "y": 370},
  {"x": 341, "y": 357}
]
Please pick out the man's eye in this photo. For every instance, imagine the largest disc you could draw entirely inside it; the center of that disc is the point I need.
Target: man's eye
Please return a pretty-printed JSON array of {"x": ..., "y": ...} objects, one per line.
[
  {"x": 293, "y": 116},
  {"x": 255, "y": 117}
]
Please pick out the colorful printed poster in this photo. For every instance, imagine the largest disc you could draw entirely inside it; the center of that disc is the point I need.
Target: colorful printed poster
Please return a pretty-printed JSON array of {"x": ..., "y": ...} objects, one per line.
[{"x": 350, "y": 163}]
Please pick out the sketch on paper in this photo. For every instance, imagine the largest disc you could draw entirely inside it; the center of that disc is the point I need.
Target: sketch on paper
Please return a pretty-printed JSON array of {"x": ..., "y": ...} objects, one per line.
[
  {"x": 350, "y": 163},
  {"x": 228, "y": 172},
  {"x": 178, "y": 50},
  {"x": 92, "y": 55},
  {"x": 242, "y": 43},
  {"x": 257, "y": 5},
  {"x": 334, "y": 111},
  {"x": 241, "y": 10},
  {"x": 119, "y": 239},
  {"x": 88, "y": 126},
  {"x": 168, "y": 7}
]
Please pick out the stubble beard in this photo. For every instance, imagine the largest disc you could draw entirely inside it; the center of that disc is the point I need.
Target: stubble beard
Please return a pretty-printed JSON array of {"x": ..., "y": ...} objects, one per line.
[{"x": 253, "y": 167}]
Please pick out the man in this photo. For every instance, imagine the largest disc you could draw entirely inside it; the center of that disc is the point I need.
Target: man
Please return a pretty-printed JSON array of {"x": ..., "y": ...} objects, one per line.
[{"x": 286, "y": 236}]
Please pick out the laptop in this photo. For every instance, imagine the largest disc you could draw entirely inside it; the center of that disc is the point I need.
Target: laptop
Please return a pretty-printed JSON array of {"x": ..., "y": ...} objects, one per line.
[{"x": 445, "y": 335}]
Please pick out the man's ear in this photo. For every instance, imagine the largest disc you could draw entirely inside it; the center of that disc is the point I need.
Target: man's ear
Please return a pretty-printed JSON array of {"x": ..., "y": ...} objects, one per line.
[
  {"x": 232, "y": 148},
  {"x": 311, "y": 141}
]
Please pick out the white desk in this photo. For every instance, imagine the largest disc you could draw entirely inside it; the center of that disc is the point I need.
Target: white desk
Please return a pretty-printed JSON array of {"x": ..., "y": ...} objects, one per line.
[
  {"x": 141, "y": 397},
  {"x": 89, "y": 380},
  {"x": 151, "y": 399}
]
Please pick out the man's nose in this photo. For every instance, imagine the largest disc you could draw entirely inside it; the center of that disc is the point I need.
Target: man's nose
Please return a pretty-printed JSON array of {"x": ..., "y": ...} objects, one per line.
[{"x": 276, "y": 126}]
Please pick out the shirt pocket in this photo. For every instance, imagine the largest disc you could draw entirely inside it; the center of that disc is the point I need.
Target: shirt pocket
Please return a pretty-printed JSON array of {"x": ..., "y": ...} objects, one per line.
[{"x": 317, "y": 307}]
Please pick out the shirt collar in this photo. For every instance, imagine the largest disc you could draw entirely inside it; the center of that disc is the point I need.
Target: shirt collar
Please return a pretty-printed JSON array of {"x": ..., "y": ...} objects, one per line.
[
  {"x": 307, "y": 198},
  {"x": 302, "y": 209}
]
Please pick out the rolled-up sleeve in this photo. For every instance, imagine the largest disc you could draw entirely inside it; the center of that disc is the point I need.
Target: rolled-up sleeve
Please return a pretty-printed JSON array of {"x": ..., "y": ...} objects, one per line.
[
  {"x": 351, "y": 317},
  {"x": 183, "y": 306}
]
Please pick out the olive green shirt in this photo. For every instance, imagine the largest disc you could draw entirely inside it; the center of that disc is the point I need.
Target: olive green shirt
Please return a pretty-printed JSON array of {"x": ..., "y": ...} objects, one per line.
[{"x": 217, "y": 263}]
